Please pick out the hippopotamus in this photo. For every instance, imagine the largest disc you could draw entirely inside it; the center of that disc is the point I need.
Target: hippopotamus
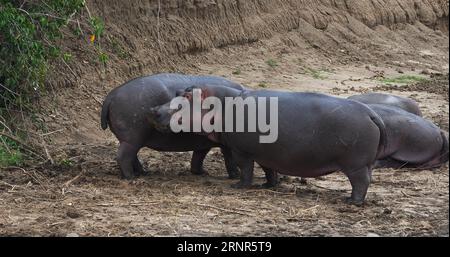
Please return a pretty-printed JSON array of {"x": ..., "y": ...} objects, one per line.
[
  {"x": 318, "y": 135},
  {"x": 125, "y": 110},
  {"x": 404, "y": 103},
  {"x": 412, "y": 141}
]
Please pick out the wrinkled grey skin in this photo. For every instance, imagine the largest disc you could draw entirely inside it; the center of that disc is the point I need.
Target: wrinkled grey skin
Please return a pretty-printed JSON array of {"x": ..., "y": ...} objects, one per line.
[
  {"x": 126, "y": 109},
  {"x": 412, "y": 141},
  {"x": 404, "y": 103},
  {"x": 318, "y": 135}
]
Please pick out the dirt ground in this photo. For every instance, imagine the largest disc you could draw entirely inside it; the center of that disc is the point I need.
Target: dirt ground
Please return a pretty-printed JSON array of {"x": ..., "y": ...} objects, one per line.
[
  {"x": 85, "y": 197},
  {"x": 320, "y": 46}
]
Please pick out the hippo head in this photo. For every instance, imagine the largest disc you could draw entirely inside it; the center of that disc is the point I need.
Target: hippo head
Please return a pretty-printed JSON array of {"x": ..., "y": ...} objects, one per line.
[
  {"x": 160, "y": 116},
  {"x": 197, "y": 109},
  {"x": 181, "y": 110}
]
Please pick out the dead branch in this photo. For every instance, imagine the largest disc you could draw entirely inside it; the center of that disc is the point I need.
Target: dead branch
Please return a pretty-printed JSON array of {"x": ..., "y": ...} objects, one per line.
[
  {"x": 23, "y": 144},
  {"x": 4, "y": 125},
  {"x": 52, "y": 132},
  {"x": 67, "y": 184},
  {"x": 49, "y": 157},
  {"x": 225, "y": 210}
]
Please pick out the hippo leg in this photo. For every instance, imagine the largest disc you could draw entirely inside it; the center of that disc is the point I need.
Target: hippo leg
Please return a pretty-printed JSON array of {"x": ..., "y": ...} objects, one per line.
[
  {"x": 127, "y": 157},
  {"x": 389, "y": 163},
  {"x": 246, "y": 166},
  {"x": 198, "y": 157},
  {"x": 230, "y": 164},
  {"x": 137, "y": 167},
  {"x": 360, "y": 180},
  {"x": 271, "y": 177}
]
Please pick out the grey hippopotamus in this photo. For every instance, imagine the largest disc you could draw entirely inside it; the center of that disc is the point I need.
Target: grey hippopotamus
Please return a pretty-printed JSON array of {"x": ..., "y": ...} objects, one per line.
[
  {"x": 412, "y": 141},
  {"x": 404, "y": 103},
  {"x": 318, "y": 135},
  {"x": 125, "y": 110}
]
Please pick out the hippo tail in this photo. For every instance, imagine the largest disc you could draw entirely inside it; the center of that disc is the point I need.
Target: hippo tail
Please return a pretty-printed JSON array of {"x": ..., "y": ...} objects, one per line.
[
  {"x": 383, "y": 134},
  {"x": 105, "y": 113},
  {"x": 444, "y": 155}
]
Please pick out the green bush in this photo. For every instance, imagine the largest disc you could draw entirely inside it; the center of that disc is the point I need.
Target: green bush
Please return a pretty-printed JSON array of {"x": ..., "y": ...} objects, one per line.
[
  {"x": 272, "y": 63},
  {"x": 29, "y": 31},
  {"x": 27, "y": 37},
  {"x": 403, "y": 79},
  {"x": 9, "y": 153}
]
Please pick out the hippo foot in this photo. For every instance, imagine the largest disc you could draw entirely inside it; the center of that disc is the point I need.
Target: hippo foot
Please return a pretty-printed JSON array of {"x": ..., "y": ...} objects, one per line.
[
  {"x": 140, "y": 172},
  {"x": 234, "y": 175},
  {"x": 200, "y": 172},
  {"x": 184, "y": 173},
  {"x": 138, "y": 168},
  {"x": 127, "y": 176},
  {"x": 269, "y": 185},
  {"x": 352, "y": 201},
  {"x": 240, "y": 185}
]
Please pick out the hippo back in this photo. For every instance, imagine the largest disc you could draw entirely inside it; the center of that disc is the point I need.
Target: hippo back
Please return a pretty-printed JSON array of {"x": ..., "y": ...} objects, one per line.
[
  {"x": 139, "y": 94},
  {"x": 404, "y": 103},
  {"x": 177, "y": 80}
]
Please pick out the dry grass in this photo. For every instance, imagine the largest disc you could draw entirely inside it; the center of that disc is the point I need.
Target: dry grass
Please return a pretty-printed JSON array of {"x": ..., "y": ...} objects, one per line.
[{"x": 90, "y": 199}]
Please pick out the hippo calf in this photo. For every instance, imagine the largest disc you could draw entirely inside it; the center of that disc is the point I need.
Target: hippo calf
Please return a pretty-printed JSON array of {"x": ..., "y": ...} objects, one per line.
[
  {"x": 318, "y": 135},
  {"x": 125, "y": 110},
  {"x": 412, "y": 141},
  {"x": 404, "y": 103}
]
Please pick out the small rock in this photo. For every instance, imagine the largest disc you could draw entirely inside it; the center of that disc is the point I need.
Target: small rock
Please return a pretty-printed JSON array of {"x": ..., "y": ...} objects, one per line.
[
  {"x": 425, "y": 72},
  {"x": 372, "y": 235},
  {"x": 41, "y": 219},
  {"x": 399, "y": 70},
  {"x": 72, "y": 235},
  {"x": 73, "y": 214},
  {"x": 387, "y": 211}
]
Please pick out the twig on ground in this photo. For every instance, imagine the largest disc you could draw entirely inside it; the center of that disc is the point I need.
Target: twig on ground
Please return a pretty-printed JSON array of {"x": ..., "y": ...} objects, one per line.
[
  {"x": 23, "y": 144},
  {"x": 4, "y": 125},
  {"x": 34, "y": 176},
  {"x": 67, "y": 65},
  {"x": 225, "y": 210},
  {"x": 130, "y": 204},
  {"x": 67, "y": 184},
  {"x": 158, "y": 24},
  {"x": 52, "y": 132},
  {"x": 89, "y": 13},
  {"x": 331, "y": 189},
  {"x": 6, "y": 183},
  {"x": 9, "y": 90},
  {"x": 404, "y": 194},
  {"x": 268, "y": 190},
  {"x": 98, "y": 101},
  {"x": 49, "y": 157}
]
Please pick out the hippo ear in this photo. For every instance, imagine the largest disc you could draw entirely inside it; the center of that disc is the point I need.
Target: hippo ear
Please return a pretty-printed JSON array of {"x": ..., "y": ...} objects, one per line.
[
  {"x": 190, "y": 89},
  {"x": 179, "y": 93},
  {"x": 205, "y": 94},
  {"x": 188, "y": 95}
]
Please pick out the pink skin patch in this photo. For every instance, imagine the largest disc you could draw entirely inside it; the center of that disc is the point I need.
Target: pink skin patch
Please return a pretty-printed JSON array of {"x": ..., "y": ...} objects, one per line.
[{"x": 213, "y": 137}]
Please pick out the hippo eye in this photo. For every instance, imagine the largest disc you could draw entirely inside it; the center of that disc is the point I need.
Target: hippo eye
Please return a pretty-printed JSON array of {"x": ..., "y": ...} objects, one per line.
[{"x": 188, "y": 96}]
